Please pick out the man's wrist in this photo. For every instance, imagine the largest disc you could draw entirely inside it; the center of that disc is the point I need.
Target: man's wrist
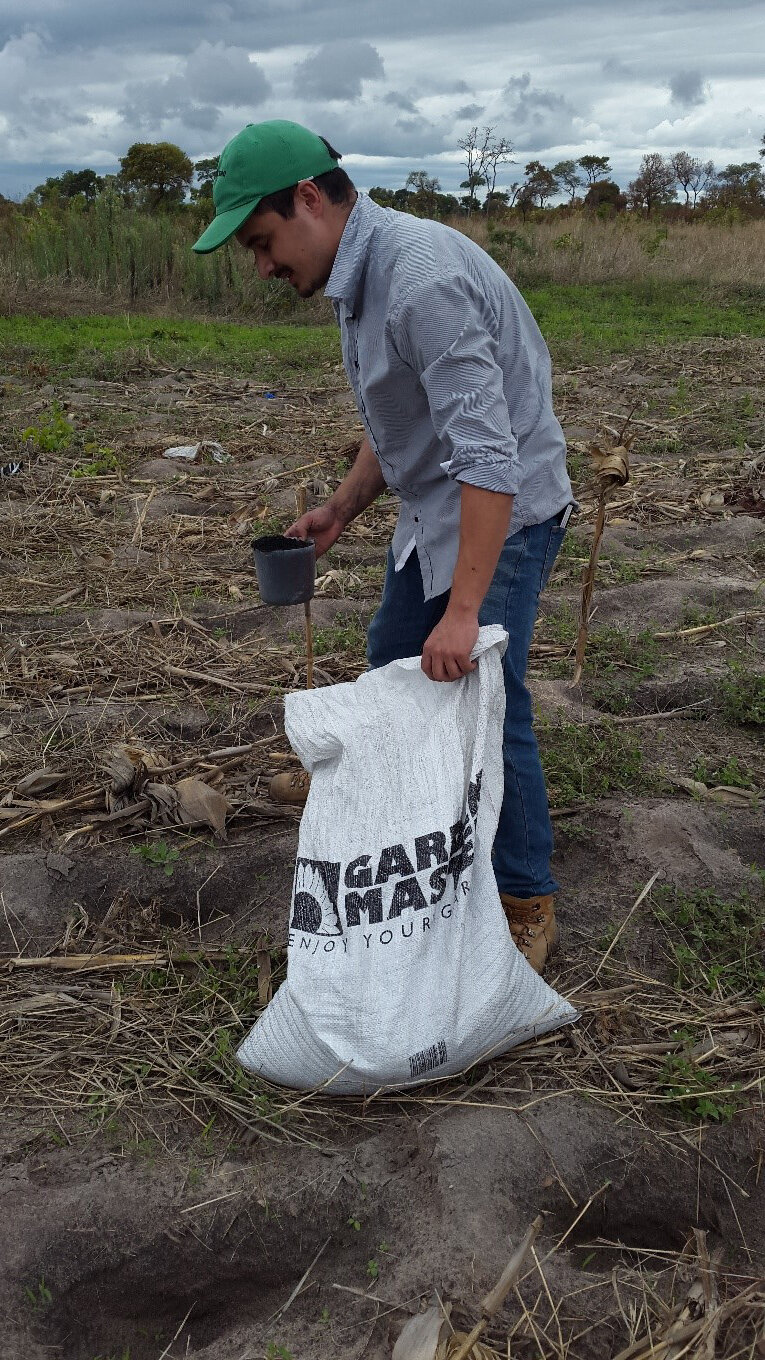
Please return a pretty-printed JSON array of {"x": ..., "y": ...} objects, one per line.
[{"x": 462, "y": 608}]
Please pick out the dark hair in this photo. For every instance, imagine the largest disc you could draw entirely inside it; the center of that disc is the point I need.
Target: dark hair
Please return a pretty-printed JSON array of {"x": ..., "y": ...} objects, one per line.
[{"x": 334, "y": 184}]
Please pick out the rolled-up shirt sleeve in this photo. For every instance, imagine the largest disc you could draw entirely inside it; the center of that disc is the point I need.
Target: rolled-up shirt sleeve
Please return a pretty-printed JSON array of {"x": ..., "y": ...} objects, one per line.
[{"x": 446, "y": 331}]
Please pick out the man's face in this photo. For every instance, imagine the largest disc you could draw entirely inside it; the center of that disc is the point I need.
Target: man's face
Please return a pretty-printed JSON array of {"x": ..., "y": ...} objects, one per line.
[{"x": 299, "y": 249}]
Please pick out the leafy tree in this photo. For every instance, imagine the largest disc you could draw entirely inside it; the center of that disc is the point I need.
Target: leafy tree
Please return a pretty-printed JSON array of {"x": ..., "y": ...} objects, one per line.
[
  {"x": 595, "y": 167},
  {"x": 693, "y": 175},
  {"x": 205, "y": 172},
  {"x": 540, "y": 183},
  {"x": 740, "y": 186},
  {"x": 655, "y": 183},
  {"x": 159, "y": 172},
  {"x": 566, "y": 173},
  {"x": 605, "y": 191},
  {"x": 425, "y": 189},
  {"x": 70, "y": 185}
]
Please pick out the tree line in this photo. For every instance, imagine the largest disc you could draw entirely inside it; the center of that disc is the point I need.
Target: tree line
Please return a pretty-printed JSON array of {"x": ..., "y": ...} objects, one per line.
[{"x": 159, "y": 176}]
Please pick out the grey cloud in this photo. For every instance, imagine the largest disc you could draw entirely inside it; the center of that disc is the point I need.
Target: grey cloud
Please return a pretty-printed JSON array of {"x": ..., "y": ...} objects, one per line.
[
  {"x": 688, "y": 88},
  {"x": 337, "y": 70},
  {"x": 531, "y": 107},
  {"x": 469, "y": 111},
  {"x": 213, "y": 75},
  {"x": 397, "y": 100},
  {"x": 225, "y": 75},
  {"x": 177, "y": 28}
]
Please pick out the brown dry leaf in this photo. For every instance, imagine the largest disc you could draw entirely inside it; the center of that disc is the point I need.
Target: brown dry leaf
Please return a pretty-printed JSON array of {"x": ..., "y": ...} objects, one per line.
[
  {"x": 197, "y": 802},
  {"x": 127, "y": 767},
  {"x": 68, "y": 661},
  {"x": 610, "y": 459},
  {"x": 39, "y": 780}
]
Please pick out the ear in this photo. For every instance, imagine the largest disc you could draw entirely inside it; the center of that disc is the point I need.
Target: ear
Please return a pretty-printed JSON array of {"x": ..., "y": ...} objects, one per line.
[{"x": 309, "y": 197}]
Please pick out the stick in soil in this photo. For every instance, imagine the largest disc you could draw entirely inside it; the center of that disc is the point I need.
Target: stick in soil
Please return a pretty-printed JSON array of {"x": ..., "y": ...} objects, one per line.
[
  {"x": 302, "y": 504},
  {"x": 612, "y": 468}
]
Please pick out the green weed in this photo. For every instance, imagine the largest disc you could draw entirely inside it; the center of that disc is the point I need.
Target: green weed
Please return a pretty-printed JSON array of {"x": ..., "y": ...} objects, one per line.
[
  {"x": 100, "y": 462},
  {"x": 39, "y": 1295},
  {"x": 160, "y": 854},
  {"x": 728, "y": 772},
  {"x": 742, "y": 696},
  {"x": 585, "y": 763},
  {"x": 53, "y": 432},
  {"x": 715, "y": 945},
  {"x": 348, "y": 635},
  {"x": 694, "y": 1091}
]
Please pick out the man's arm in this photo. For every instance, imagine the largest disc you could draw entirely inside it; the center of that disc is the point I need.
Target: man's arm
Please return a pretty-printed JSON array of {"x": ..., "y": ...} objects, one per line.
[
  {"x": 359, "y": 489},
  {"x": 484, "y": 521}
]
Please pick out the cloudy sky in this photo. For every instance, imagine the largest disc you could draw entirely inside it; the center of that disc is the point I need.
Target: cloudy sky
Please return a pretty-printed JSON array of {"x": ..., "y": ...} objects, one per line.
[{"x": 393, "y": 84}]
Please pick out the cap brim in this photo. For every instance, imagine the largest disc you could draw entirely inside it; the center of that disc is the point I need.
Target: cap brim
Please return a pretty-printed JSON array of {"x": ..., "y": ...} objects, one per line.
[{"x": 222, "y": 227}]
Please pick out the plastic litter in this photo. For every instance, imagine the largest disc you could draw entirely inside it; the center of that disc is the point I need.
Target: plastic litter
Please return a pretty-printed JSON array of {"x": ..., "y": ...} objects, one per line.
[{"x": 190, "y": 452}]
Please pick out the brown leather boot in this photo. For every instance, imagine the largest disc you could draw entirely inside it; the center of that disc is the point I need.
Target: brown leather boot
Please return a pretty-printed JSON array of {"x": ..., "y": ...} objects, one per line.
[
  {"x": 290, "y": 788},
  {"x": 533, "y": 927}
]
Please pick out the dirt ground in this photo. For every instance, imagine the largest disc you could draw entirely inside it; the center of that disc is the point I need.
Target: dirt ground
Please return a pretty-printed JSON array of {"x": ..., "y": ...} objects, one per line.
[{"x": 158, "y": 1203}]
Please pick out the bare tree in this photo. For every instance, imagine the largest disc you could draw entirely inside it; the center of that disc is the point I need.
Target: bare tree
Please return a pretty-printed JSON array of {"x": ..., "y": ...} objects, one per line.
[
  {"x": 654, "y": 184},
  {"x": 484, "y": 153},
  {"x": 693, "y": 176},
  {"x": 566, "y": 173},
  {"x": 595, "y": 167}
]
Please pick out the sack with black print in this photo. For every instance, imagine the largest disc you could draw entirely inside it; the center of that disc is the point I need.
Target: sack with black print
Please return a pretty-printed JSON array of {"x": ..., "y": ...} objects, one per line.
[{"x": 401, "y": 966}]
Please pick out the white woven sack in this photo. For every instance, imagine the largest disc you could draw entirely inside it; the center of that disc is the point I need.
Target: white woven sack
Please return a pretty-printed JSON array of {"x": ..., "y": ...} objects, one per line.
[{"x": 401, "y": 966}]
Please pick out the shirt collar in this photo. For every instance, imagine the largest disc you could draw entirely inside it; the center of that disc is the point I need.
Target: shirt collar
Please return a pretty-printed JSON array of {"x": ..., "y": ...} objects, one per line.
[{"x": 344, "y": 283}]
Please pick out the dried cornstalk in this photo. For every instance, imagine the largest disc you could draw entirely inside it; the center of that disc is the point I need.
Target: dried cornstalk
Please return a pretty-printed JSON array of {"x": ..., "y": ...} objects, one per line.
[{"x": 611, "y": 464}]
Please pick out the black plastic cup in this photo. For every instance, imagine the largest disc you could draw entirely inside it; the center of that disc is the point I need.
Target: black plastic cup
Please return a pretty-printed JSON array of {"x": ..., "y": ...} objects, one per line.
[{"x": 286, "y": 568}]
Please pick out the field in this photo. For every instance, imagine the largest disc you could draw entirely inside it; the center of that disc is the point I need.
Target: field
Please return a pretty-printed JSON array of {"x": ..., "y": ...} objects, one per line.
[{"x": 157, "y": 1203}]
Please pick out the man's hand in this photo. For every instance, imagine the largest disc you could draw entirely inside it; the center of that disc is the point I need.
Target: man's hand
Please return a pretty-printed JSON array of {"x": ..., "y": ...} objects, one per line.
[
  {"x": 446, "y": 654},
  {"x": 324, "y": 525}
]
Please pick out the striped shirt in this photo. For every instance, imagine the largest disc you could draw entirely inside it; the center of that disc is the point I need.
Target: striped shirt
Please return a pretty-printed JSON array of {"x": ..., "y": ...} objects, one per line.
[{"x": 451, "y": 377}]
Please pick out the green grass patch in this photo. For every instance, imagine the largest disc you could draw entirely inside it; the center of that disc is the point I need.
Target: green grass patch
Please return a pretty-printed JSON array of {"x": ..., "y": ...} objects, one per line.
[
  {"x": 348, "y": 635},
  {"x": 582, "y": 764},
  {"x": 716, "y": 946},
  {"x": 114, "y": 346},
  {"x": 581, "y": 322},
  {"x": 587, "y": 322}
]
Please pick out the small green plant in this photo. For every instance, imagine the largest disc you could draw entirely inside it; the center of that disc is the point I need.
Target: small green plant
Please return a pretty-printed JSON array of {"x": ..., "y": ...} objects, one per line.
[
  {"x": 39, "y": 1295},
  {"x": 101, "y": 462},
  {"x": 742, "y": 696},
  {"x": 729, "y": 773},
  {"x": 275, "y": 1352},
  {"x": 694, "y": 1092},
  {"x": 160, "y": 854},
  {"x": 373, "y": 1269},
  {"x": 355, "y": 1223},
  {"x": 324, "y": 1314},
  {"x": 52, "y": 433}
]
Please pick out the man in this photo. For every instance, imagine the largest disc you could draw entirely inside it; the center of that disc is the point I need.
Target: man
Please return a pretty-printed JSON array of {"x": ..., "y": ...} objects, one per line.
[{"x": 452, "y": 381}]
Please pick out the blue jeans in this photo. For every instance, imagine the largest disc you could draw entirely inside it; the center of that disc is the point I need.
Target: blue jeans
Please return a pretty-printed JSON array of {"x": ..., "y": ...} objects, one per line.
[{"x": 524, "y": 841}]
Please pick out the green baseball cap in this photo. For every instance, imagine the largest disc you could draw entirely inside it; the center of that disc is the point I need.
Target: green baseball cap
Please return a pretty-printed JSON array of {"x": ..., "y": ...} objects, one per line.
[{"x": 260, "y": 160}]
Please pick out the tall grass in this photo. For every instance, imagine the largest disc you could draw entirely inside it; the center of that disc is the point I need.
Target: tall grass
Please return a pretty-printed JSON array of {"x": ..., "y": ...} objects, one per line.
[
  {"x": 583, "y": 248},
  {"x": 112, "y": 257}
]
